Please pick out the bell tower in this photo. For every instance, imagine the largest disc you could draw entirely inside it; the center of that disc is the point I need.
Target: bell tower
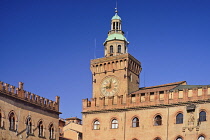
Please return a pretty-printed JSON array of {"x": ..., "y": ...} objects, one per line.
[{"x": 117, "y": 73}]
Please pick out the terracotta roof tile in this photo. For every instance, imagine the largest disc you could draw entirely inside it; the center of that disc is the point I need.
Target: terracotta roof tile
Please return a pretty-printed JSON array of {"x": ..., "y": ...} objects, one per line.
[{"x": 163, "y": 87}]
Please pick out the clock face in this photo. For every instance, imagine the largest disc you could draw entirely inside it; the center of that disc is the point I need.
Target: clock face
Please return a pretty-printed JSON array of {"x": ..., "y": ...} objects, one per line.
[{"x": 109, "y": 86}]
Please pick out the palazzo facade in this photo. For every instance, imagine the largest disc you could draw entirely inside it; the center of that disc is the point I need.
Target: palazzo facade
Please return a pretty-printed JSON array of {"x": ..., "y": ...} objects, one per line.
[
  {"x": 120, "y": 110},
  {"x": 27, "y": 116}
]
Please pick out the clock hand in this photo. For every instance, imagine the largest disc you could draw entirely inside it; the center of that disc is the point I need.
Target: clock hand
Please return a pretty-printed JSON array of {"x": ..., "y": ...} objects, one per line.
[{"x": 110, "y": 84}]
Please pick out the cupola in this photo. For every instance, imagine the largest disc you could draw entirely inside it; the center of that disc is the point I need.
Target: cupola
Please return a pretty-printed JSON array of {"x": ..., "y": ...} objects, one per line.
[{"x": 116, "y": 43}]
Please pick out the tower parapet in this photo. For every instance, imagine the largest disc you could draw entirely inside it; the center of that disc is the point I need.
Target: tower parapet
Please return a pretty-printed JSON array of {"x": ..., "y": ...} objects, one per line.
[{"x": 20, "y": 94}]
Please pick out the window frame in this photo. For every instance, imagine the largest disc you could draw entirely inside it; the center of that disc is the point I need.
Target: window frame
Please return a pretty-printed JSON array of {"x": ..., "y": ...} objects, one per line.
[
  {"x": 158, "y": 122},
  {"x": 179, "y": 119},
  {"x": 111, "y": 49},
  {"x": 96, "y": 125},
  {"x": 157, "y": 138},
  {"x": 51, "y": 131},
  {"x": 202, "y": 118},
  {"x": 119, "y": 49},
  {"x": 179, "y": 138},
  {"x": 41, "y": 129},
  {"x": 29, "y": 129},
  {"x": 201, "y": 137},
  {"x": 12, "y": 120},
  {"x": 114, "y": 124},
  {"x": 135, "y": 123}
]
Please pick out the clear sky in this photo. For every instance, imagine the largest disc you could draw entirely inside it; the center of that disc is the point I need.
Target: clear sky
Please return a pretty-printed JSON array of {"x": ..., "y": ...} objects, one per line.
[{"x": 48, "y": 44}]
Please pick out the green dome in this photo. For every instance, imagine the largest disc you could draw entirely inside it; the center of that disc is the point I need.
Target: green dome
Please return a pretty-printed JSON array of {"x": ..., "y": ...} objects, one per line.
[
  {"x": 116, "y": 36},
  {"x": 116, "y": 17}
]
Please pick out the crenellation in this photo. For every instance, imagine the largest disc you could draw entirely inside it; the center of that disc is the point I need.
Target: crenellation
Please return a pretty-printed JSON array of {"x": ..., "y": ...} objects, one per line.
[
  {"x": 109, "y": 101},
  {"x": 145, "y": 99},
  {"x": 20, "y": 93},
  {"x": 6, "y": 87},
  {"x": 1, "y": 85},
  {"x": 13, "y": 91},
  {"x": 110, "y": 66}
]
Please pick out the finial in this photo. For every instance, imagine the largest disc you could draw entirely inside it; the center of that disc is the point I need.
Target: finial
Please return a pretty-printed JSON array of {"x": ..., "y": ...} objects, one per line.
[{"x": 116, "y": 8}]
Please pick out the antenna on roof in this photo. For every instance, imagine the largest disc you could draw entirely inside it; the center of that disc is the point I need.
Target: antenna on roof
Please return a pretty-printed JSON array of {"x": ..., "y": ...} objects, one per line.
[
  {"x": 144, "y": 79},
  {"x": 95, "y": 49}
]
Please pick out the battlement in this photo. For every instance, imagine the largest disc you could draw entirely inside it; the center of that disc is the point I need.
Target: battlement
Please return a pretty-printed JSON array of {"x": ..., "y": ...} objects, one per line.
[
  {"x": 139, "y": 99},
  {"x": 19, "y": 93},
  {"x": 114, "y": 63}
]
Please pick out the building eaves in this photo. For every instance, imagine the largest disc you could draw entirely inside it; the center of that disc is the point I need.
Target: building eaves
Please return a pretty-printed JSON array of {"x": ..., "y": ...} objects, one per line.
[
  {"x": 163, "y": 87},
  {"x": 181, "y": 87}
]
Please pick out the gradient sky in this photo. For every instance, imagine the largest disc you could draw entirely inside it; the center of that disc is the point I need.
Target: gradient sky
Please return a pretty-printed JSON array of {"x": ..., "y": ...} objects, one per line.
[{"x": 48, "y": 44}]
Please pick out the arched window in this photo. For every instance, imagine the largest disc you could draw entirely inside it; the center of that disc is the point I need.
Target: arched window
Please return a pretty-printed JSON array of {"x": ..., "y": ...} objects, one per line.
[
  {"x": 114, "y": 124},
  {"x": 51, "y": 130},
  {"x": 158, "y": 120},
  {"x": 135, "y": 122},
  {"x": 119, "y": 49},
  {"x": 29, "y": 126},
  {"x": 111, "y": 49},
  {"x": 179, "y": 138},
  {"x": 201, "y": 138},
  {"x": 202, "y": 116},
  {"x": 41, "y": 129},
  {"x": 179, "y": 118},
  {"x": 157, "y": 138},
  {"x": 96, "y": 125},
  {"x": 12, "y": 121}
]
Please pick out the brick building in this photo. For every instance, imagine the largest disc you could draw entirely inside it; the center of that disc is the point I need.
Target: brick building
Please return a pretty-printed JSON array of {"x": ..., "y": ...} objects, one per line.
[
  {"x": 24, "y": 115},
  {"x": 70, "y": 128},
  {"x": 120, "y": 110}
]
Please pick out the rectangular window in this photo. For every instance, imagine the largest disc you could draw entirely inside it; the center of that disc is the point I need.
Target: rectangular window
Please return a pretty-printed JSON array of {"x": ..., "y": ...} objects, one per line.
[
  {"x": 152, "y": 96},
  {"x": 200, "y": 92},
  {"x": 171, "y": 94},
  {"x": 180, "y": 94},
  {"x": 133, "y": 98},
  {"x": 161, "y": 95},
  {"x": 190, "y": 93},
  {"x": 208, "y": 91},
  {"x": 142, "y": 97}
]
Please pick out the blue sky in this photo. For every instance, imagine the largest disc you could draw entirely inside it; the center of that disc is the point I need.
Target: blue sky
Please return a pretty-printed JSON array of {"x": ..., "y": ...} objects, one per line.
[{"x": 48, "y": 44}]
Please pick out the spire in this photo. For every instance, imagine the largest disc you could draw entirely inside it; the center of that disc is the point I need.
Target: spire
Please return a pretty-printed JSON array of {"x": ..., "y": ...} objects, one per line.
[{"x": 116, "y": 8}]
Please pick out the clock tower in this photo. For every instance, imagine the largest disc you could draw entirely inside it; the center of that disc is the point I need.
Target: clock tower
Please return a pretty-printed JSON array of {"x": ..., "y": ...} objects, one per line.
[{"x": 117, "y": 73}]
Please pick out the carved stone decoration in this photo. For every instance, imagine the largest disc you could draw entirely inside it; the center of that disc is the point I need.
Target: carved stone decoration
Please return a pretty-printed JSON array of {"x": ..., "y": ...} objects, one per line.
[
  {"x": 191, "y": 121},
  {"x": 197, "y": 128},
  {"x": 191, "y": 107},
  {"x": 183, "y": 129}
]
